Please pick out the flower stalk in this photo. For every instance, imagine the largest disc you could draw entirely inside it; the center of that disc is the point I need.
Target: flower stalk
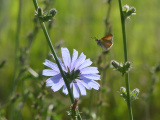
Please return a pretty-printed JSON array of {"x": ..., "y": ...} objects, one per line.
[
  {"x": 55, "y": 56},
  {"x": 125, "y": 59}
]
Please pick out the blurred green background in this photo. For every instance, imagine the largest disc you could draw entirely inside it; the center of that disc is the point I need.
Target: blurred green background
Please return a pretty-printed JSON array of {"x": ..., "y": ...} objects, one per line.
[{"x": 74, "y": 25}]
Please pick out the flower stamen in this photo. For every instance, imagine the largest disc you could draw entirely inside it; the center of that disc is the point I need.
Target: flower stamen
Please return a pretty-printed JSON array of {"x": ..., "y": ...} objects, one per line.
[{"x": 71, "y": 76}]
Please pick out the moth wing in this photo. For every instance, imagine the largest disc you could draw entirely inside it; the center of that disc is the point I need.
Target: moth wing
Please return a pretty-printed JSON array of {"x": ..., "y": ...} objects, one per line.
[
  {"x": 108, "y": 37},
  {"x": 107, "y": 44}
]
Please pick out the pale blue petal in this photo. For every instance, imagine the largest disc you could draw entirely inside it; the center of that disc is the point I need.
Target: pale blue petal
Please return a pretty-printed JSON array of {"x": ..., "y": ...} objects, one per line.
[
  {"x": 81, "y": 88},
  {"x": 51, "y": 65},
  {"x": 91, "y": 83},
  {"x": 79, "y": 61},
  {"x": 74, "y": 58},
  {"x": 62, "y": 65},
  {"x": 94, "y": 85},
  {"x": 49, "y": 82},
  {"x": 86, "y": 63},
  {"x": 75, "y": 90},
  {"x": 89, "y": 70},
  {"x": 58, "y": 85},
  {"x": 66, "y": 57},
  {"x": 53, "y": 80},
  {"x": 85, "y": 84},
  {"x": 85, "y": 79},
  {"x": 90, "y": 76},
  {"x": 71, "y": 85},
  {"x": 65, "y": 91},
  {"x": 47, "y": 72}
]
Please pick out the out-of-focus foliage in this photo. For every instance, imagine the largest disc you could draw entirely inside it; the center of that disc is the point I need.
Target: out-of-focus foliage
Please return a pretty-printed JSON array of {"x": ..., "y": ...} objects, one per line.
[{"x": 23, "y": 94}]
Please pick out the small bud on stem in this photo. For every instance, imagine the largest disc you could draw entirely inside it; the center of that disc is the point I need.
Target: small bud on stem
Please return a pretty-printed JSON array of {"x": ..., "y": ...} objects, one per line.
[
  {"x": 128, "y": 11},
  {"x": 123, "y": 68},
  {"x": 133, "y": 95},
  {"x": 45, "y": 17}
]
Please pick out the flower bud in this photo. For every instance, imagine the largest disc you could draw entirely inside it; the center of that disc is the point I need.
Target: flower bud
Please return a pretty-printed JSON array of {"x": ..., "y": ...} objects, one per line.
[
  {"x": 128, "y": 11},
  {"x": 122, "y": 89},
  {"x": 115, "y": 64},
  {"x": 123, "y": 68},
  {"x": 40, "y": 11},
  {"x": 53, "y": 12},
  {"x": 133, "y": 10},
  {"x": 123, "y": 93},
  {"x": 126, "y": 8},
  {"x": 134, "y": 94},
  {"x": 127, "y": 66}
]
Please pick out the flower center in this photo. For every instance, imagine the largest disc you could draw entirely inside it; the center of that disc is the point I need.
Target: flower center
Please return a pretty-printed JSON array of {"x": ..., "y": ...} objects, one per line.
[{"x": 72, "y": 75}]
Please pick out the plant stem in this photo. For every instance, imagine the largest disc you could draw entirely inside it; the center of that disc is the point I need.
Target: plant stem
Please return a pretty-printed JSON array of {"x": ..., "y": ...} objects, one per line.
[
  {"x": 126, "y": 59},
  {"x": 15, "y": 74},
  {"x": 107, "y": 23},
  {"x": 56, "y": 59},
  {"x": 17, "y": 39},
  {"x": 55, "y": 56}
]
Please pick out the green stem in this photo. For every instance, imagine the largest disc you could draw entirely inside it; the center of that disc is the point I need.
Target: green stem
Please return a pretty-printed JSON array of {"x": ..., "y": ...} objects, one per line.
[
  {"x": 17, "y": 39},
  {"x": 56, "y": 58},
  {"x": 126, "y": 59},
  {"x": 107, "y": 23},
  {"x": 91, "y": 103},
  {"x": 15, "y": 74},
  {"x": 54, "y": 54}
]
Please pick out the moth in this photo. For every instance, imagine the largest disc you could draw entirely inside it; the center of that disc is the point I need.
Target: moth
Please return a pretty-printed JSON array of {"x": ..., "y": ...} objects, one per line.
[{"x": 106, "y": 42}]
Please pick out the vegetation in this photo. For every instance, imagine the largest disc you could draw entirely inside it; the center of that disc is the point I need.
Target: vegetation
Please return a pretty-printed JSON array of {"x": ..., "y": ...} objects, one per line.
[{"x": 23, "y": 49}]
